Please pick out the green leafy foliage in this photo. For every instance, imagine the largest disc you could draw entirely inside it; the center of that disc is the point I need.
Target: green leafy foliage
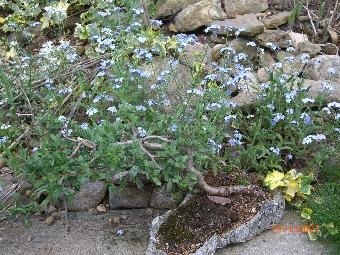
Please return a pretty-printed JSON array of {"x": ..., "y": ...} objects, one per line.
[
  {"x": 323, "y": 206},
  {"x": 128, "y": 104}
]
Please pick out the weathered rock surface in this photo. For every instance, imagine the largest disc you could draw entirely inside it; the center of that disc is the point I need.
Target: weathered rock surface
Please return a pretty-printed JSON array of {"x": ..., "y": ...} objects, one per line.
[
  {"x": 297, "y": 38},
  {"x": 161, "y": 199},
  {"x": 220, "y": 39},
  {"x": 130, "y": 180},
  {"x": 240, "y": 7},
  {"x": 247, "y": 90},
  {"x": 89, "y": 196},
  {"x": 216, "y": 53},
  {"x": 308, "y": 47},
  {"x": 172, "y": 28},
  {"x": 329, "y": 49},
  {"x": 292, "y": 65},
  {"x": 276, "y": 20},
  {"x": 165, "y": 8},
  {"x": 130, "y": 197},
  {"x": 240, "y": 46},
  {"x": 262, "y": 75},
  {"x": 199, "y": 14},
  {"x": 324, "y": 67},
  {"x": 179, "y": 78},
  {"x": 266, "y": 60},
  {"x": 193, "y": 53},
  {"x": 318, "y": 87},
  {"x": 334, "y": 36},
  {"x": 245, "y": 97},
  {"x": 277, "y": 37},
  {"x": 271, "y": 213},
  {"x": 281, "y": 39},
  {"x": 281, "y": 4},
  {"x": 247, "y": 25}
]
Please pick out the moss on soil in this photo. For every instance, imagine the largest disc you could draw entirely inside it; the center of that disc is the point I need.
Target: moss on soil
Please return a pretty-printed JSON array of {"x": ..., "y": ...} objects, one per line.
[
  {"x": 175, "y": 231},
  {"x": 190, "y": 225}
]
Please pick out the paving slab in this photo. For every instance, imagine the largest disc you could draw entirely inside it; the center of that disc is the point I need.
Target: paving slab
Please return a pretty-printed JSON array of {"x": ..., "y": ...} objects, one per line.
[
  {"x": 289, "y": 241},
  {"x": 90, "y": 234}
]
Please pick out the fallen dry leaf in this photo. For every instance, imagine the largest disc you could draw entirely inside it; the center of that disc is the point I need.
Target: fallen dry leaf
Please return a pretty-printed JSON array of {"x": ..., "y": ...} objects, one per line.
[
  {"x": 49, "y": 220},
  {"x": 101, "y": 208}
]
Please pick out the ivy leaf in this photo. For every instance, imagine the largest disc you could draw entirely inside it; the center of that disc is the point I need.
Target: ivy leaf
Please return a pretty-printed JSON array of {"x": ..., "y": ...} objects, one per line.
[
  {"x": 274, "y": 179},
  {"x": 2, "y": 20},
  {"x": 288, "y": 197},
  {"x": 292, "y": 187},
  {"x": 292, "y": 175},
  {"x": 63, "y": 5},
  {"x": 304, "y": 184},
  {"x": 333, "y": 230},
  {"x": 11, "y": 54},
  {"x": 313, "y": 235},
  {"x": 306, "y": 213},
  {"x": 45, "y": 23}
]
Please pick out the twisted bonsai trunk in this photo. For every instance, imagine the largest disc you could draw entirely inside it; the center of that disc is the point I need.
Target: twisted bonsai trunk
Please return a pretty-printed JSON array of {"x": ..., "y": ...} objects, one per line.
[{"x": 221, "y": 191}]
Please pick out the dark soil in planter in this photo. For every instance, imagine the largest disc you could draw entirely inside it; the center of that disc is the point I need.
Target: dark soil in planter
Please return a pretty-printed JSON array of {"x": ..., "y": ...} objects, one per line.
[{"x": 200, "y": 218}]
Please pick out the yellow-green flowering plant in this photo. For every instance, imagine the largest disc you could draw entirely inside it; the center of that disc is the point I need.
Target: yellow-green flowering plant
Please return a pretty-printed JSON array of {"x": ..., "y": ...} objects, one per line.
[{"x": 292, "y": 184}]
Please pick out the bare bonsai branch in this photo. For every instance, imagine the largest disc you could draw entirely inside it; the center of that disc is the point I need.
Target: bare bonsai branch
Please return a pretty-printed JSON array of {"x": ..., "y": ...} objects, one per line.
[
  {"x": 152, "y": 157},
  {"x": 162, "y": 138},
  {"x": 119, "y": 176},
  {"x": 218, "y": 191},
  {"x": 147, "y": 145},
  {"x": 81, "y": 142},
  {"x": 153, "y": 146}
]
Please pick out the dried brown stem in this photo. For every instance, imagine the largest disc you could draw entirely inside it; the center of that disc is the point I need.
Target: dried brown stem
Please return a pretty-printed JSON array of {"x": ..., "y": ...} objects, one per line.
[
  {"x": 61, "y": 106},
  {"x": 24, "y": 114},
  {"x": 14, "y": 144},
  {"x": 310, "y": 19},
  {"x": 146, "y": 16},
  {"x": 334, "y": 11},
  {"x": 82, "y": 65},
  {"x": 9, "y": 191}
]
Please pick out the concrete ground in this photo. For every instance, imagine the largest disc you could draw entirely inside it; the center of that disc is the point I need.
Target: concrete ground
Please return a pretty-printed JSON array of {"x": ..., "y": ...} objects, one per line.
[
  {"x": 94, "y": 235},
  {"x": 280, "y": 243}
]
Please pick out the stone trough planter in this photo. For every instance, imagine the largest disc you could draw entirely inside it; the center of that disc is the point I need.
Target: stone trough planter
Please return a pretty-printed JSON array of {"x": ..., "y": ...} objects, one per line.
[{"x": 270, "y": 214}]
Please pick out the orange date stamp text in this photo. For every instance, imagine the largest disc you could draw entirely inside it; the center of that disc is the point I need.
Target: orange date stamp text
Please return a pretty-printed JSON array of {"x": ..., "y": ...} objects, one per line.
[{"x": 295, "y": 228}]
